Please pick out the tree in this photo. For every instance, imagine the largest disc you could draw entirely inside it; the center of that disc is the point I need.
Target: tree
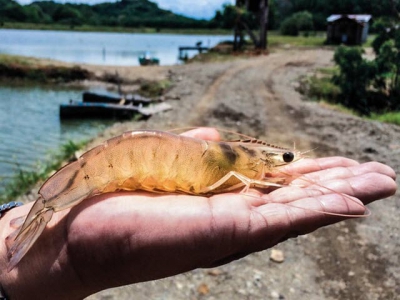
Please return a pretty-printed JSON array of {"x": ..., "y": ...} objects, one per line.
[
  {"x": 388, "y": 69},
  {"x": 264, "y": 10},
  {"x": 289, "y": 27},
  {"x": 36, "y": 14},
  {"x": 14, "y": 12},
  {"x": 300, "y": 21},
  {"x": 248, "y": 14},
  {"x": 66, "y": 13},
  {"x": 354, "y": 77},
  {"x": 368, "y": 86}
]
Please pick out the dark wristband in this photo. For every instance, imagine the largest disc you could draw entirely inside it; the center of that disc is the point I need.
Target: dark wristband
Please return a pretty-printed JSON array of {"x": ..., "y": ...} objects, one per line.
[
  {"x": 3, "y": 208},
  {"x": 7, "y": 206}
]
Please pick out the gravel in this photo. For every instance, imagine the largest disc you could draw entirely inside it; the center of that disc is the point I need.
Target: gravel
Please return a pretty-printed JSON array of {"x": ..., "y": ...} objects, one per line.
[{"x": 356, "y": 259}]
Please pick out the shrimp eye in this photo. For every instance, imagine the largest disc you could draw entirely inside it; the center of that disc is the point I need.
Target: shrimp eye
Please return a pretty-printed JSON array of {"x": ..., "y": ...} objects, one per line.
[{"x": 288, "y": 157}]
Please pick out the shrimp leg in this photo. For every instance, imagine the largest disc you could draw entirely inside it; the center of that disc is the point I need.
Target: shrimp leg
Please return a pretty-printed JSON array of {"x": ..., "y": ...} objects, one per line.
[{"x": 247, "y": 182}]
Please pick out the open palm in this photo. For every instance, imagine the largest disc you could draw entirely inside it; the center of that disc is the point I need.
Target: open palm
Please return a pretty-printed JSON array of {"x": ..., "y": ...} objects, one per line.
[{"x": 122, "y": 238}]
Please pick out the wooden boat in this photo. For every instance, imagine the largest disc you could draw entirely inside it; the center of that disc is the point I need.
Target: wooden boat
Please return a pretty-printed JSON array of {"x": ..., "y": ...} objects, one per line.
[
  {"x": 126, "y": 99},
  {"x": 98, "y": 110},
  {"x": 121, "y": 110}
]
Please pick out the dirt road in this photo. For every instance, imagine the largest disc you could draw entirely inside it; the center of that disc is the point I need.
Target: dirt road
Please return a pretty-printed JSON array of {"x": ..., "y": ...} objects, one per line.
[{"x": 357, "y": 259}]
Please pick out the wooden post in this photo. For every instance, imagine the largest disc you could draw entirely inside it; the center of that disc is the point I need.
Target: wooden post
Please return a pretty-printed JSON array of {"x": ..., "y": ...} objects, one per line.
[
  {"x": 264, "y": 8},
  {"x": 237, "y": 41}
]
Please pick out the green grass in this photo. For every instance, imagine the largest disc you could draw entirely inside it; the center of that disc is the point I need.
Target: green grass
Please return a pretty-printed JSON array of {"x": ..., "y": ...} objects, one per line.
[
  {"x": 33, "y": 70},
  {"x": 338, "y": 107},
  {"x": 369, "y": 41},
  {"x": 389, "y": 117},
  {"x": 319, "y": 87},
  {"x": 212, "y": 56},
  {"x": 224, "y": 51},
  {"x": 14, "y": 59},
  {"x": 91, "y": 28},
  {"x": 275, "y": 39},
  {"x": 154, "y": 89},
  {"x": 328, "y": 71},
  {"x": 23, "y": 181}
]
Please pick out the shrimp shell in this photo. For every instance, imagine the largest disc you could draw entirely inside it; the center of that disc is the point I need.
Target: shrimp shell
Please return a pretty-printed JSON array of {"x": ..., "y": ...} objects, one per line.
[{"x": 153, "y": 161}]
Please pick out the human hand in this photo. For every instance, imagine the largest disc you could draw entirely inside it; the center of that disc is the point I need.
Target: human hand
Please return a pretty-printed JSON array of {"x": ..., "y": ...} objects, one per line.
[{"x": 121, "y": 238}]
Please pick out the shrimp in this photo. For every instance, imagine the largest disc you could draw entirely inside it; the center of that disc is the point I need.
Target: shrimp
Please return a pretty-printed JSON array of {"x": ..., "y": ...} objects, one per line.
[{"x": 152, "y": 161}]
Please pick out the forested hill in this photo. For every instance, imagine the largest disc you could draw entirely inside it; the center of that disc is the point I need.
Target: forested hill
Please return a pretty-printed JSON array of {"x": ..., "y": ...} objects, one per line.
[
  {"x": 126, "y": 13},
  {"x": 144, "y": 13}
]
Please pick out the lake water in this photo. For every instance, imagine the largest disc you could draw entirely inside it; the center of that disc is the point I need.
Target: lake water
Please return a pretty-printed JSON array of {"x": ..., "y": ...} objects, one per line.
[
  {"x": 99, "y": 47},
  {"x": 30, "y": 127}
]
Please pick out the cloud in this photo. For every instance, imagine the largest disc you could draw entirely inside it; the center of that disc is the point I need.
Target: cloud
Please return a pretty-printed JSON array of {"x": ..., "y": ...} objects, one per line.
[
  {"x": 197, "y": 9},
  {"x": 202, "y": 9}
]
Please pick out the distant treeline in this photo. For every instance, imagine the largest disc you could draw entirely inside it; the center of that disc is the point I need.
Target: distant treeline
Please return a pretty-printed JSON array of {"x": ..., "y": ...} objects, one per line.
[
  {"x": 125, "y": 13},
  {"x": 280, "y": 10},
  {"x": 143, "y": 13}
]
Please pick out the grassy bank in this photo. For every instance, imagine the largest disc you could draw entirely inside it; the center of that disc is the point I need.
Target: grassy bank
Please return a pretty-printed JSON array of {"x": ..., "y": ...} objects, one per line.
[
  {"x": 389, "y": 117},
  {"x": 90, "y": 28},
  {"x": 224, "y": 51},
  {"x": 24, "y": 181},
  {"x": 30, "y": 69},
  {"x": 319, "y": 87},
  {"x": 275, "y": 39}
]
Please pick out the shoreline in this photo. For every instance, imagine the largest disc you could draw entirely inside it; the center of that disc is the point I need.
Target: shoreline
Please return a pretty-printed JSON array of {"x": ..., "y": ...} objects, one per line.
[
  {"x": 109, "y": 29},
  {"x": 31, "y": 70}
]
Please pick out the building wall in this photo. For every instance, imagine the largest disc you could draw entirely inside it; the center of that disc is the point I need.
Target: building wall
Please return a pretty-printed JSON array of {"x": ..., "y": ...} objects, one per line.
[{"x": 346, "y": 31}]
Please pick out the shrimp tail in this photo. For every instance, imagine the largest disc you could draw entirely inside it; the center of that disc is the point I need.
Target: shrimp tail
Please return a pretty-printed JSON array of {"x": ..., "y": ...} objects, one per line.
[{"x": 19, "y": 244}]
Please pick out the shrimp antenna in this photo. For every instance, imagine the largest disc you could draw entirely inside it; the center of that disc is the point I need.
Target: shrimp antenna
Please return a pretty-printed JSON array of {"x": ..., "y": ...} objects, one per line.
[
  {"x": 366, "y": 214},
  {"x": 304, "y": 178},
  {"x": 307, "y": 151},
  {"x": 179, "y": 129}
]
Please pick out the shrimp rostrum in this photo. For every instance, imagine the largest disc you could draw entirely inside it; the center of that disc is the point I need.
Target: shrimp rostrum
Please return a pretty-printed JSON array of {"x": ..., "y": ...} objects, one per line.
[{"x": 152, "y": 161}]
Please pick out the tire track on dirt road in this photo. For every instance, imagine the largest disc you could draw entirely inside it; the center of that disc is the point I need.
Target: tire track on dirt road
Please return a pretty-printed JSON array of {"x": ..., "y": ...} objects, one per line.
[
  {"x": 246, "y": 91},
  {"x": 350, "y": 260},
  {"x": 261, "y": 92},
  {"x": 333, "y": 248},
  {"x": 217, "y": 90}
]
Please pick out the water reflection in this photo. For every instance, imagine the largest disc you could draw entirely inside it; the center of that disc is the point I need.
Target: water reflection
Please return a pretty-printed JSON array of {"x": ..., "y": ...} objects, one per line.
[
  {"x": 100, "y": 47},
  {"x": 30, "y": 127}
]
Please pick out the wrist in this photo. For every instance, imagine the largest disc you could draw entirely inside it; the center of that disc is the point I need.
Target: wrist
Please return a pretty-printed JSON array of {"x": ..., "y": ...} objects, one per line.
[
  {"x": 44, "y": 272},
  {"x": 7, "y": 279}
]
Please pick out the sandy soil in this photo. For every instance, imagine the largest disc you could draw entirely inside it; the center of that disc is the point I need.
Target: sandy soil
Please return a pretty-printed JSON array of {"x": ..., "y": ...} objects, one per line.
[{"x": 357, "y": 259}]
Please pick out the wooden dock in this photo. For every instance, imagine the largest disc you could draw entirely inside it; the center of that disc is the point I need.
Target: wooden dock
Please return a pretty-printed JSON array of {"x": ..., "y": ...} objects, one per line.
[
  {"x": 183, "y": 50},
  {"x": 186, "y": 48}
]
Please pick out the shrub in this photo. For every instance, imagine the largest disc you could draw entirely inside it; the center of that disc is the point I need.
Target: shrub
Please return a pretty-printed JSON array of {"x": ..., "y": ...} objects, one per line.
[
  {"x": 354, "y": 77},
  {"x": 319, "y": 87},
  {"x": 300, "y": 21},
  {"x": 369, "y": 86},
  {"x": 289, "y": 27}
]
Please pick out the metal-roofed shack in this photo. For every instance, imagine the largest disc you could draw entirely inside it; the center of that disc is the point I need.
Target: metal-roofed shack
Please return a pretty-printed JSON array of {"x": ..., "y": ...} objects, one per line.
[{"x": 347, "y": 29}]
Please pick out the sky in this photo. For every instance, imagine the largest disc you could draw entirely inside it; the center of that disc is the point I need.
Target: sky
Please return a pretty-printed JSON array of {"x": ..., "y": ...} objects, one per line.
[{"x": 200, "y": 9}]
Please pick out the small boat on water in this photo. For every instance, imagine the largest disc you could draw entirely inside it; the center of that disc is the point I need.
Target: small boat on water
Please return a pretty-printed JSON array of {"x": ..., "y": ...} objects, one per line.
[{"x": 147, "y": 60}]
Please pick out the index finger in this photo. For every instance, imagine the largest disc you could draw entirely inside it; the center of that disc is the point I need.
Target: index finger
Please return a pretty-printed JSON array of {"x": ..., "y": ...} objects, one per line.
[{"x": 308, "y": 165}]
